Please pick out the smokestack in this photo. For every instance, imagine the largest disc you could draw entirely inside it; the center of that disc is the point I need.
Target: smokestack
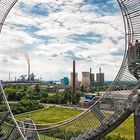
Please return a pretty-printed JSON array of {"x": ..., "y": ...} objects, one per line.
[
  {"x": 28, "y": 70},
  {"x": 90, "y": 70},
  {"x": 90, "y": 77},
  {"x": 74, "y": 83},
  {"x": 9, "y": 76},
  {"x": 100, "y": 70}
]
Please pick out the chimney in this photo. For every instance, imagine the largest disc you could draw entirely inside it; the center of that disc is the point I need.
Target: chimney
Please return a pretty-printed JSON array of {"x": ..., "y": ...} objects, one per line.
[
  {"x": 90, "y": 77},
  {"x": 28, "y": 71},
  {"x": 74, "y": 83},
  {"x": 9, "y": 76},
  {"x": 90, "y": 70},
  {"x": 100, "y": 70}
]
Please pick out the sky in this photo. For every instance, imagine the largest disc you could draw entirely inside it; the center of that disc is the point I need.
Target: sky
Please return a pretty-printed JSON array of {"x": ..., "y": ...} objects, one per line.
[{"x": 55, "y": 32}]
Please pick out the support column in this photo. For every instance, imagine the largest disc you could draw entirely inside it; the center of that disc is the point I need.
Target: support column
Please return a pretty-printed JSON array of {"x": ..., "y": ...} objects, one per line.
[
  {"x": 137, "y": 117},
  {"x": 74, "y": 83}
]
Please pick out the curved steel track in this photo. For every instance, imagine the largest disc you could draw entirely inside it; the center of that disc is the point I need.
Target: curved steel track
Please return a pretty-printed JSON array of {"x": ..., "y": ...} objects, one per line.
[{"x": 95, "y": 122}]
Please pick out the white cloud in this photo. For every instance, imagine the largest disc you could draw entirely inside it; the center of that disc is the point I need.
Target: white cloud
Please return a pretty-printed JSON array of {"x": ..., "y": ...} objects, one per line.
[{"x": 70, "y": 18}]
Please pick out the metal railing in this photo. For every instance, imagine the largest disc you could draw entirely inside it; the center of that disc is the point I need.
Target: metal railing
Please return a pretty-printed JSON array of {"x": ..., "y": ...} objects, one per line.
[{"x": 96, "y": 121}]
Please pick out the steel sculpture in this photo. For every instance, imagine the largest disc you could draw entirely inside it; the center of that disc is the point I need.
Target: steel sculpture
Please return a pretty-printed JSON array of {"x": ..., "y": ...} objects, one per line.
[{"x": 122, "y": 97}]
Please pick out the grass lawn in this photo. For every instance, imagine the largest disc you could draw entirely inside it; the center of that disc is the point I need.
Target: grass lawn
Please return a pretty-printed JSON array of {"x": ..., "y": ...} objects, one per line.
[
  {"x": 126, "y": 129},
  {"x": 49, "y": 115},
  {"x": 56, "y": 114}
]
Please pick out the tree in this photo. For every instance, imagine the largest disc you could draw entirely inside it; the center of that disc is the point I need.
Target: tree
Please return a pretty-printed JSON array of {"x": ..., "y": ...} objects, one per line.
[
  {"x": 30, "y": 92},
  {"x": 68, "y": 95},
  {"x": 11, "y": 93},
  {"x": 37, "y": 88},
  {"x": 25, "y": 106},
  {"x": 43, "y": 94}
]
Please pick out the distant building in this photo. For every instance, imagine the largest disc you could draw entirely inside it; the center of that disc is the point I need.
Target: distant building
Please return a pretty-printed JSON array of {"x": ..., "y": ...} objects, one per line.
[
  {"x": 131, "y": 54},
  {"x": 76, "y": 80},
  {"x": 137, "y": 45},
  {"x": 65, "y": 81},
  {"x": 87, "y": 101},
  {"x": 100, "y": 77},
  {"x": 62, "y": 82},
  {"x": 134, "y": 58},
  {"x": 85, "y": 79}
]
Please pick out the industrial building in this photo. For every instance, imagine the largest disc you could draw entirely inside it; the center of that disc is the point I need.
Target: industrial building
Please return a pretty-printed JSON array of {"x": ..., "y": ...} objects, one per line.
[
  {"x": 133, "y": 53},
  {"x": 137, "y": 45},
  {"x": 100, "y": 77},
  {"x": 65, "y": 81}
]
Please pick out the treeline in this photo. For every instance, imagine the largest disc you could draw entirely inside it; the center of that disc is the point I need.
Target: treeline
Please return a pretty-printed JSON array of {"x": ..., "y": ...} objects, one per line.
[
  {"x": 61, "y": 98},
  {"x": 22, "y": 106},
  {"x": 17, "y": 93},
  {"x": 25, "y": 106}
]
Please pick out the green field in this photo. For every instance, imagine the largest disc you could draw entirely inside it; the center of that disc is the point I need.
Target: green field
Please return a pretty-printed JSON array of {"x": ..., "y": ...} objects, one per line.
[
  {"x": 49, "y": 115},
  {"x": 126, "y": 129},
  {"x": 55, "y": 114}
]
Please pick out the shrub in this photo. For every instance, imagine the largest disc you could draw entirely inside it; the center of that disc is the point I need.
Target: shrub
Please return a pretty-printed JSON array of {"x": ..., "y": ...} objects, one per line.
[{"x": 25, "y": 106}]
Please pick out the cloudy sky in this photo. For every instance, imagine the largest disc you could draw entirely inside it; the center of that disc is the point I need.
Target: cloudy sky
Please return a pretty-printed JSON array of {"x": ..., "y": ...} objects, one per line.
[{"x": 55, "y": 32}]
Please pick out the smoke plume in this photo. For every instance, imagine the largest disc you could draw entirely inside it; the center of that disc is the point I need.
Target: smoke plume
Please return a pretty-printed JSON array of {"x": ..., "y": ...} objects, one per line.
[{"x": 25, "y": 54}]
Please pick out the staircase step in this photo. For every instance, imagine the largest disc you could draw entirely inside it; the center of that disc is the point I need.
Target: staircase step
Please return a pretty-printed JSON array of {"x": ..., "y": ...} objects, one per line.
[
  {"x": 1, "y": 134},
  {"x": 85, "y": 136},
  {"x": 80, "y": 137},
  {"x": 4, "y": 116},
  {"x": 73, "y": 138},
  {"x": 96, "y": 111},
  {"x": 109, "y": 101}
]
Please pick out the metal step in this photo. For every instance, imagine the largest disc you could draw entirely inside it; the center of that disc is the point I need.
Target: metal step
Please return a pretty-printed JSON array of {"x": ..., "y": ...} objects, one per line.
[
  {"x": 92, "y": 132},
  {"x": 80, "y": 137},
  {"x": 109, "y": 101},
  {"x": 96, "y": 111},
  {"x": 73, "y": 138},
  {"x": 85, "y": 135},
  {"x": 2, "y": 137},
  {"x": 3, "y": 117},
  {"x": 1, "y": 134}
]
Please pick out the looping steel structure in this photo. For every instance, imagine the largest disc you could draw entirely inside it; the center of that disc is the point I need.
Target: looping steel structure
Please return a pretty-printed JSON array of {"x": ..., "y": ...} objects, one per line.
[{"x": 120, "y": 99}]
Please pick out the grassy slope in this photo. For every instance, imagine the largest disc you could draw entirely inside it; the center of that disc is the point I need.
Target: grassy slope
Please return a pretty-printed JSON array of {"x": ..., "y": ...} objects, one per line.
[
  {"x": 49, "y": 115},
  {"x": 126, "y": 129},
  {"x": 55, "y": 114}
]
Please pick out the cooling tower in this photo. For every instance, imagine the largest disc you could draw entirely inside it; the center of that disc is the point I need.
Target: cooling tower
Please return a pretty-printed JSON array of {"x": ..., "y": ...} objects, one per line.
[{"x": 85, "y": 79}]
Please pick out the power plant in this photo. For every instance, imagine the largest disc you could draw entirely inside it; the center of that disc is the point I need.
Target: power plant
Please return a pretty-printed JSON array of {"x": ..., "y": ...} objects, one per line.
[{"x": 29, "y": 77}]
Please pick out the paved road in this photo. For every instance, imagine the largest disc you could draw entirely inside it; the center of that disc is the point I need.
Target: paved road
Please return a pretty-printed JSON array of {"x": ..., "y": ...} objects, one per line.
[{"x": 63, "y": 106}]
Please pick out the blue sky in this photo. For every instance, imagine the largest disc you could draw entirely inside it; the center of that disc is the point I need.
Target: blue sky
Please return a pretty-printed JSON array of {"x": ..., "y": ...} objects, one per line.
[{"x": 53, "y": 33}]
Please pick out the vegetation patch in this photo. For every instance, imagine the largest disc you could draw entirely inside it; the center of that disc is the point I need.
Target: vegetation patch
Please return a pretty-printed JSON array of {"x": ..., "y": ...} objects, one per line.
[
  {"x": 25, "y": 106},
  {"x": 49, "y": 115}
]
